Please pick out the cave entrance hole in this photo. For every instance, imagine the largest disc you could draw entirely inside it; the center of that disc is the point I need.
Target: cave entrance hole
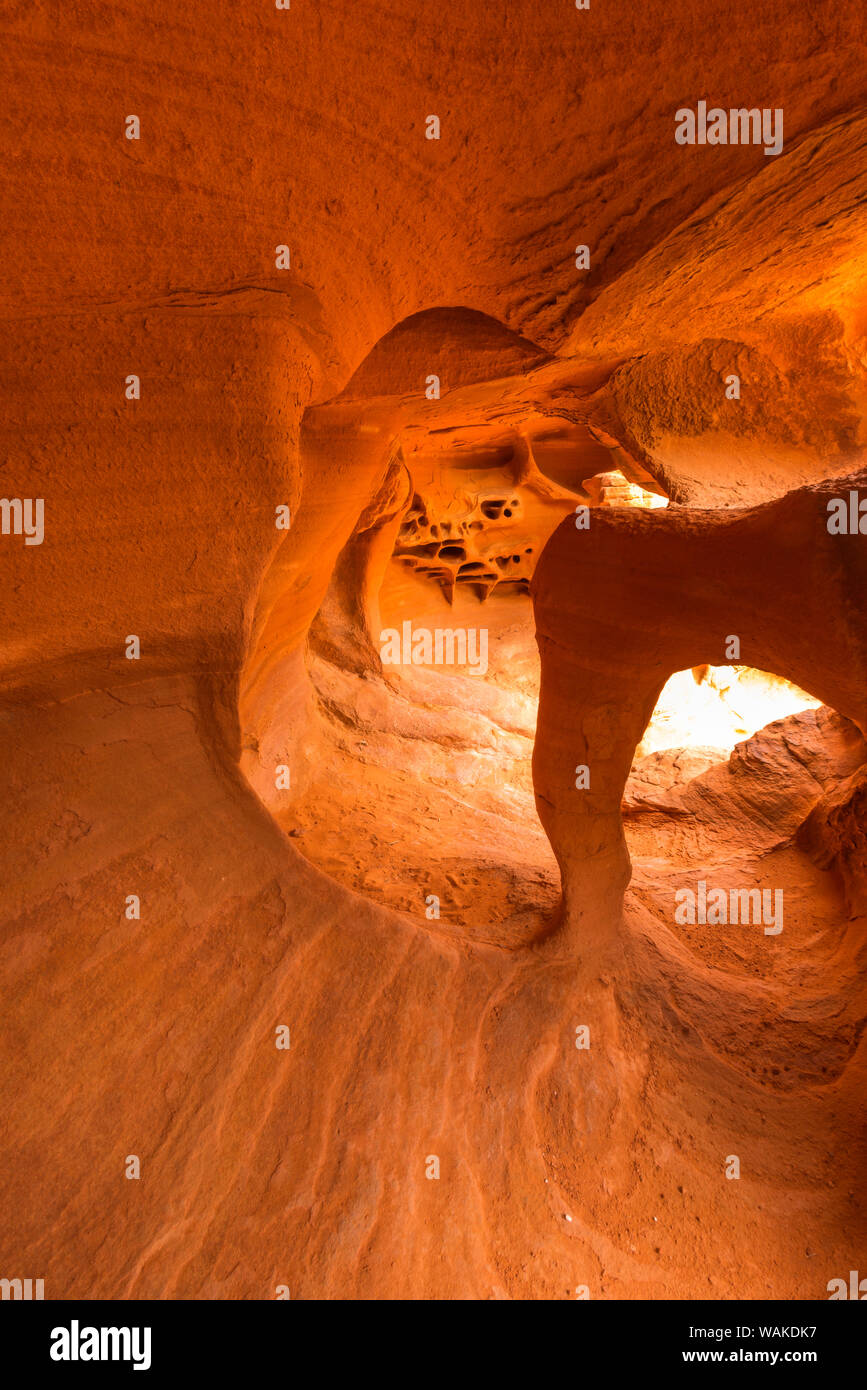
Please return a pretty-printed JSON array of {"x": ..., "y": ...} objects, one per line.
[{"x": 719, "y": 800}]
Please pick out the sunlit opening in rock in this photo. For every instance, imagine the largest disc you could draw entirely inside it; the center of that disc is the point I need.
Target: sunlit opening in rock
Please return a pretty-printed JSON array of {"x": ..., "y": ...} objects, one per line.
[{"x": 715, "y": 707}]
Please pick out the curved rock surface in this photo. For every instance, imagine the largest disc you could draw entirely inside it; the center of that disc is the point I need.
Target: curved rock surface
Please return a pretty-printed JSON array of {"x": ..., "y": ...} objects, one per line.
[{"x": 228, "y": 814}]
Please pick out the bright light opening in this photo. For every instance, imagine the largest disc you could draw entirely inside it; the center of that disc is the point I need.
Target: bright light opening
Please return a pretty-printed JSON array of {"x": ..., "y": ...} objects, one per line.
[{"x": 719, "y": 706}]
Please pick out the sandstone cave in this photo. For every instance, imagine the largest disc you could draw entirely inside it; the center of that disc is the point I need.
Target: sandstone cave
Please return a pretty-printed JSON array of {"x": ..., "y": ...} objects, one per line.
[{"x": 432, "y": 621}]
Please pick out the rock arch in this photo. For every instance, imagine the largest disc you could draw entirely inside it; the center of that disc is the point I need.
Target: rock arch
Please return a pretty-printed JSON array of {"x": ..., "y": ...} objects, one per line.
[{"x": 621, "y": 607}]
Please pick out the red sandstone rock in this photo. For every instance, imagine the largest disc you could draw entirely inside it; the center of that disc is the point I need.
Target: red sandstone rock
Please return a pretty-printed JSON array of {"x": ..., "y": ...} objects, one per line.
[{"x": 303, "y": 903}]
